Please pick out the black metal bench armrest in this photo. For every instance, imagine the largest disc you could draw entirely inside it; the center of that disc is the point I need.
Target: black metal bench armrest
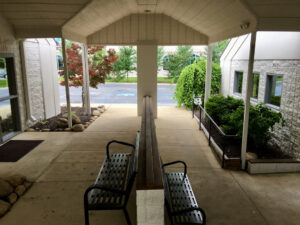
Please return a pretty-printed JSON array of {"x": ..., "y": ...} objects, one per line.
[
  {"x": 189, "y": 210},
  {"x": 118, "y": 142},
  {"x": 175, "y": 162}
]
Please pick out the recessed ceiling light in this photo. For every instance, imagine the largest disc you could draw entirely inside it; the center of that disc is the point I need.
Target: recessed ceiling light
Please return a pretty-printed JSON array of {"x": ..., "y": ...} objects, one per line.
[{"x": 147, "y": 10}]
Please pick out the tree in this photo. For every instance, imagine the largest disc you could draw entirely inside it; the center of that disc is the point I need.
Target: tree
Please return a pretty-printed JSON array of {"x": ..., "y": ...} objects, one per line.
[
  {"x": 218, "y": 50},
  {"x": 191, "y": 82},
  {"x": 2, "y": 63},
  {"x": 100, "y": 64},
  {"x": 126, "y": 61},
  {"x": 176, "y": 62},
  {"x": 160, "y": 54}
]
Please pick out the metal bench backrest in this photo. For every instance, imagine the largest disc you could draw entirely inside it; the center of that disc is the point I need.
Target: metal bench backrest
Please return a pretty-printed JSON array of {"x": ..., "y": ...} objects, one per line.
[{"x": 133, "y": 167}]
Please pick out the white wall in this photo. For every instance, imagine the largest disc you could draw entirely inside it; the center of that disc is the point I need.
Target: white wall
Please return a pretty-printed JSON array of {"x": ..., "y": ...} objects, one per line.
[
  {"x": 42, "y": 77},
  {"x": 272, "y": 45}
]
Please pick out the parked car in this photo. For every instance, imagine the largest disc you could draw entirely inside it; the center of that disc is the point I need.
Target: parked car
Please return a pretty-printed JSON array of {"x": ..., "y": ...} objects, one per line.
[{"x": 3, "y": 74}]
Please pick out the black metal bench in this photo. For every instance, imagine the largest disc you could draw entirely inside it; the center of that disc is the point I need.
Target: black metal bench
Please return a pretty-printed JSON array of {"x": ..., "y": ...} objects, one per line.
[
  {"x": 180, "y": 201},
  {"x": 114, "y": 182}
]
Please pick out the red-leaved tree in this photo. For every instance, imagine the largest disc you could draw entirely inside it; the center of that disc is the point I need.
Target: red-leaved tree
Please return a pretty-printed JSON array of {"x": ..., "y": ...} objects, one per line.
[{"x": 100, "y": 64}]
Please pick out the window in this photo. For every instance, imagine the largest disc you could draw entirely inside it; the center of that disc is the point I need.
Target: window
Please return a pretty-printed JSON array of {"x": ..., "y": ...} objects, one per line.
[
  {"x": 255, "y": 85},
  {"x": 274, "y": 89},
  {"x": 238, "y": 82},
  {"x": 9, "y": 114}
]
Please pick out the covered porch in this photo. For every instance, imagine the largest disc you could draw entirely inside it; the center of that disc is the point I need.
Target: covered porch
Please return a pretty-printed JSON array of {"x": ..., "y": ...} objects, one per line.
[{"x": 66, "y": 163}]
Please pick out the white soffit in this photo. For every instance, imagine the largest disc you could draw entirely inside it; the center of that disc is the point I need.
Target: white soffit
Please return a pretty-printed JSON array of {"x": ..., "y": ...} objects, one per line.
[
  {"x": 136, "y": 28},
  {"x": 217, "y": 19}
]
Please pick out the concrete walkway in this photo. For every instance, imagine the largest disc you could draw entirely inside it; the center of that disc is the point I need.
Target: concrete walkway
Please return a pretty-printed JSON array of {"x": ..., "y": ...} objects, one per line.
[{"x": 66, "y": 163}]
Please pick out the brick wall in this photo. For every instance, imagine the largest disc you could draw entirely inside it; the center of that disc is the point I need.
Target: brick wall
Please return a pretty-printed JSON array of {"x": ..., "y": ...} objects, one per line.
[{"x": 287, "y": 137}]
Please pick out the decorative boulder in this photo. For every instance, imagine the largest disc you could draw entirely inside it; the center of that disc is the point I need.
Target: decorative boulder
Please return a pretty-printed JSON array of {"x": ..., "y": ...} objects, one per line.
[
  {"x": 5, "y": 188},
  {"x": 96, "y": 113},
  {"x": 15, "y": 180},
  {"x": 75, "y": 119},
  {"x": 12, "y": 198},
  {"x": 102, "y": 110},
  {"x": 20, "y": 190},
  {"x": 4, "y": 207},
  {"x": 30, "y": 130},
  {"x": 78, "y": 127},
  {"x": 62, "y": 123}
]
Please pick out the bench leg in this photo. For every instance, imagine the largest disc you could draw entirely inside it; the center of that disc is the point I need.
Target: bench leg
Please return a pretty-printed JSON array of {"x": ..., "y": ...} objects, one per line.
[
  {"x": 127, "y": 216},
  {"x": 86, "y": 211}
]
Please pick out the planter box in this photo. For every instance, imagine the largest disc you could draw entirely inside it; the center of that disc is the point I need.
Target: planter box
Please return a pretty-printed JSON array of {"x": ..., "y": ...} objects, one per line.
[
  {"x": 228, "y": 163},
  {"x": 261, "y": 166}
]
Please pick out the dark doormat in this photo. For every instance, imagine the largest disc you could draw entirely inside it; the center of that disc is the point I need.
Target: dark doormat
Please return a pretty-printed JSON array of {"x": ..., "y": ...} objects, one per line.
[{"x": 14, "y": 150}]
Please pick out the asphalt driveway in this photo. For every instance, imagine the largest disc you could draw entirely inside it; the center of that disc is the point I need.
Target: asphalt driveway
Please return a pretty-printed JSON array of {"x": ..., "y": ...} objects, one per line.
[{"x": 118, "y": 93}]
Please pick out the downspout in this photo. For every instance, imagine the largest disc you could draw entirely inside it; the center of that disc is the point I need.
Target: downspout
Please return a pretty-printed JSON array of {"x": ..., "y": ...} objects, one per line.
[{"x": 30, "y": 119}]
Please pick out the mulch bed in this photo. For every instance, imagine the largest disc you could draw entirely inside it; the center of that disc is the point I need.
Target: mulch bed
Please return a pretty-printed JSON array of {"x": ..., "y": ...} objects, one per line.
[
  {"x": 51, "y": 122},
  {"x": 14, "y": 150},
  {"x": 234, "y": 147}
]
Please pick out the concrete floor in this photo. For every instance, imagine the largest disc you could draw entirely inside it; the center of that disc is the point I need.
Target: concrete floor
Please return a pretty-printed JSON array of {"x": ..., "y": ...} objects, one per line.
[{"x": 66, "y": 163}]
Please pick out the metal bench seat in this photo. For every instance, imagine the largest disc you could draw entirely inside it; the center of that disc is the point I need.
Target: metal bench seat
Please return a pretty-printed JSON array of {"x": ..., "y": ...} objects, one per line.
[
  {"x": 114, "y": 182},
  {"x": 180, "y": 200},
  {"x": 112, "y": 174}
]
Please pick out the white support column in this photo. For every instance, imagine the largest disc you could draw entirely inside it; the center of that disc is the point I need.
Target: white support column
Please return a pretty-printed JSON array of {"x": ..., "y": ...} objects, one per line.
[
  {"x": 147, "y": 74},
  {"x": 86, "y": 81},
  {"x": 247, "y": 99},
  {"x": 66, "y": 76},
  {"x": 210, "y": 48}
]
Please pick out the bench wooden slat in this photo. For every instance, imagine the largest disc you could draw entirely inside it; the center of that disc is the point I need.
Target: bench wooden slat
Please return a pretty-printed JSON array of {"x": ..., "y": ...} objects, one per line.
[{"x": 149, "y": 176}]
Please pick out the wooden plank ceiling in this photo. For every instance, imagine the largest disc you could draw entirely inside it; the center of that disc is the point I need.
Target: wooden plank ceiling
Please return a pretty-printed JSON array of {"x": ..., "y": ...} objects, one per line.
[{"x": 217, "y": 19}]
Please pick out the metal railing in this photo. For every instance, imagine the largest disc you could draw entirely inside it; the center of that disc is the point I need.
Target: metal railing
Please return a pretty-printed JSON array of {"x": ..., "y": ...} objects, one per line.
[{"x": 229, "y": 144}]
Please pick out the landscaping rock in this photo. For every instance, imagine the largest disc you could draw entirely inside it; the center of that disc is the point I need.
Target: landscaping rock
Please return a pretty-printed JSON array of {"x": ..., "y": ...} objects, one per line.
[
  {"x": 251, "y": 155},
  {"x": 67, "y": 129},
  {"x": 5, "y": 188},
  {"x": 75, "y": 119},
  {"x": 12, "y": 198},
  {"x": 46, "y": 130},
  {"x": 102, "y": 110},
  {"x": 20, "y": 190},
  {"x": 96, "y": 113},
  {"x": 101, "y": 107},
  {"x": 15, "y": 180},
  {"x": 62, "y": 123},
  {"x": 4, "y": 207},
  {"x": 30, "y": 130},
  {"x": 78, "y": 127}
]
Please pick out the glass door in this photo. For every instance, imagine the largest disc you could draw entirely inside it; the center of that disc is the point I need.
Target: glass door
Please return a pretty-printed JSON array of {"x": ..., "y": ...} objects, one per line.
[{"x": 9, "y": 110}]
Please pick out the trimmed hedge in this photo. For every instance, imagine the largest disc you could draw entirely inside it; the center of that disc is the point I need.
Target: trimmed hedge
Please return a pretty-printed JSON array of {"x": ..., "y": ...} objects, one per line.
[{"x": 228, "y": 113}]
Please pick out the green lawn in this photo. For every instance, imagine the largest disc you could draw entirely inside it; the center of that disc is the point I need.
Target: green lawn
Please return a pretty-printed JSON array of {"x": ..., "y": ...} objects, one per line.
[
  {"x": 3, "y": 83},
  {"x": 134, "y": 80}
]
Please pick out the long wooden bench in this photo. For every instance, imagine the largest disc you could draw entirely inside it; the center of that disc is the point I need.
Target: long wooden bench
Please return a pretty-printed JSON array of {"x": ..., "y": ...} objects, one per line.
[
  {"x": 180, "y": 201},
  {"x": 114, "y": 182}
]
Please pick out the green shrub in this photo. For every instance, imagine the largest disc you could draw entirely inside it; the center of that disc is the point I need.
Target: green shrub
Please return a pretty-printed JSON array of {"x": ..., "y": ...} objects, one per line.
[
  {"x": 220, "y": 108},
  {"x": 228, "y": 113},
  {"x": 191, "y": 82}
]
